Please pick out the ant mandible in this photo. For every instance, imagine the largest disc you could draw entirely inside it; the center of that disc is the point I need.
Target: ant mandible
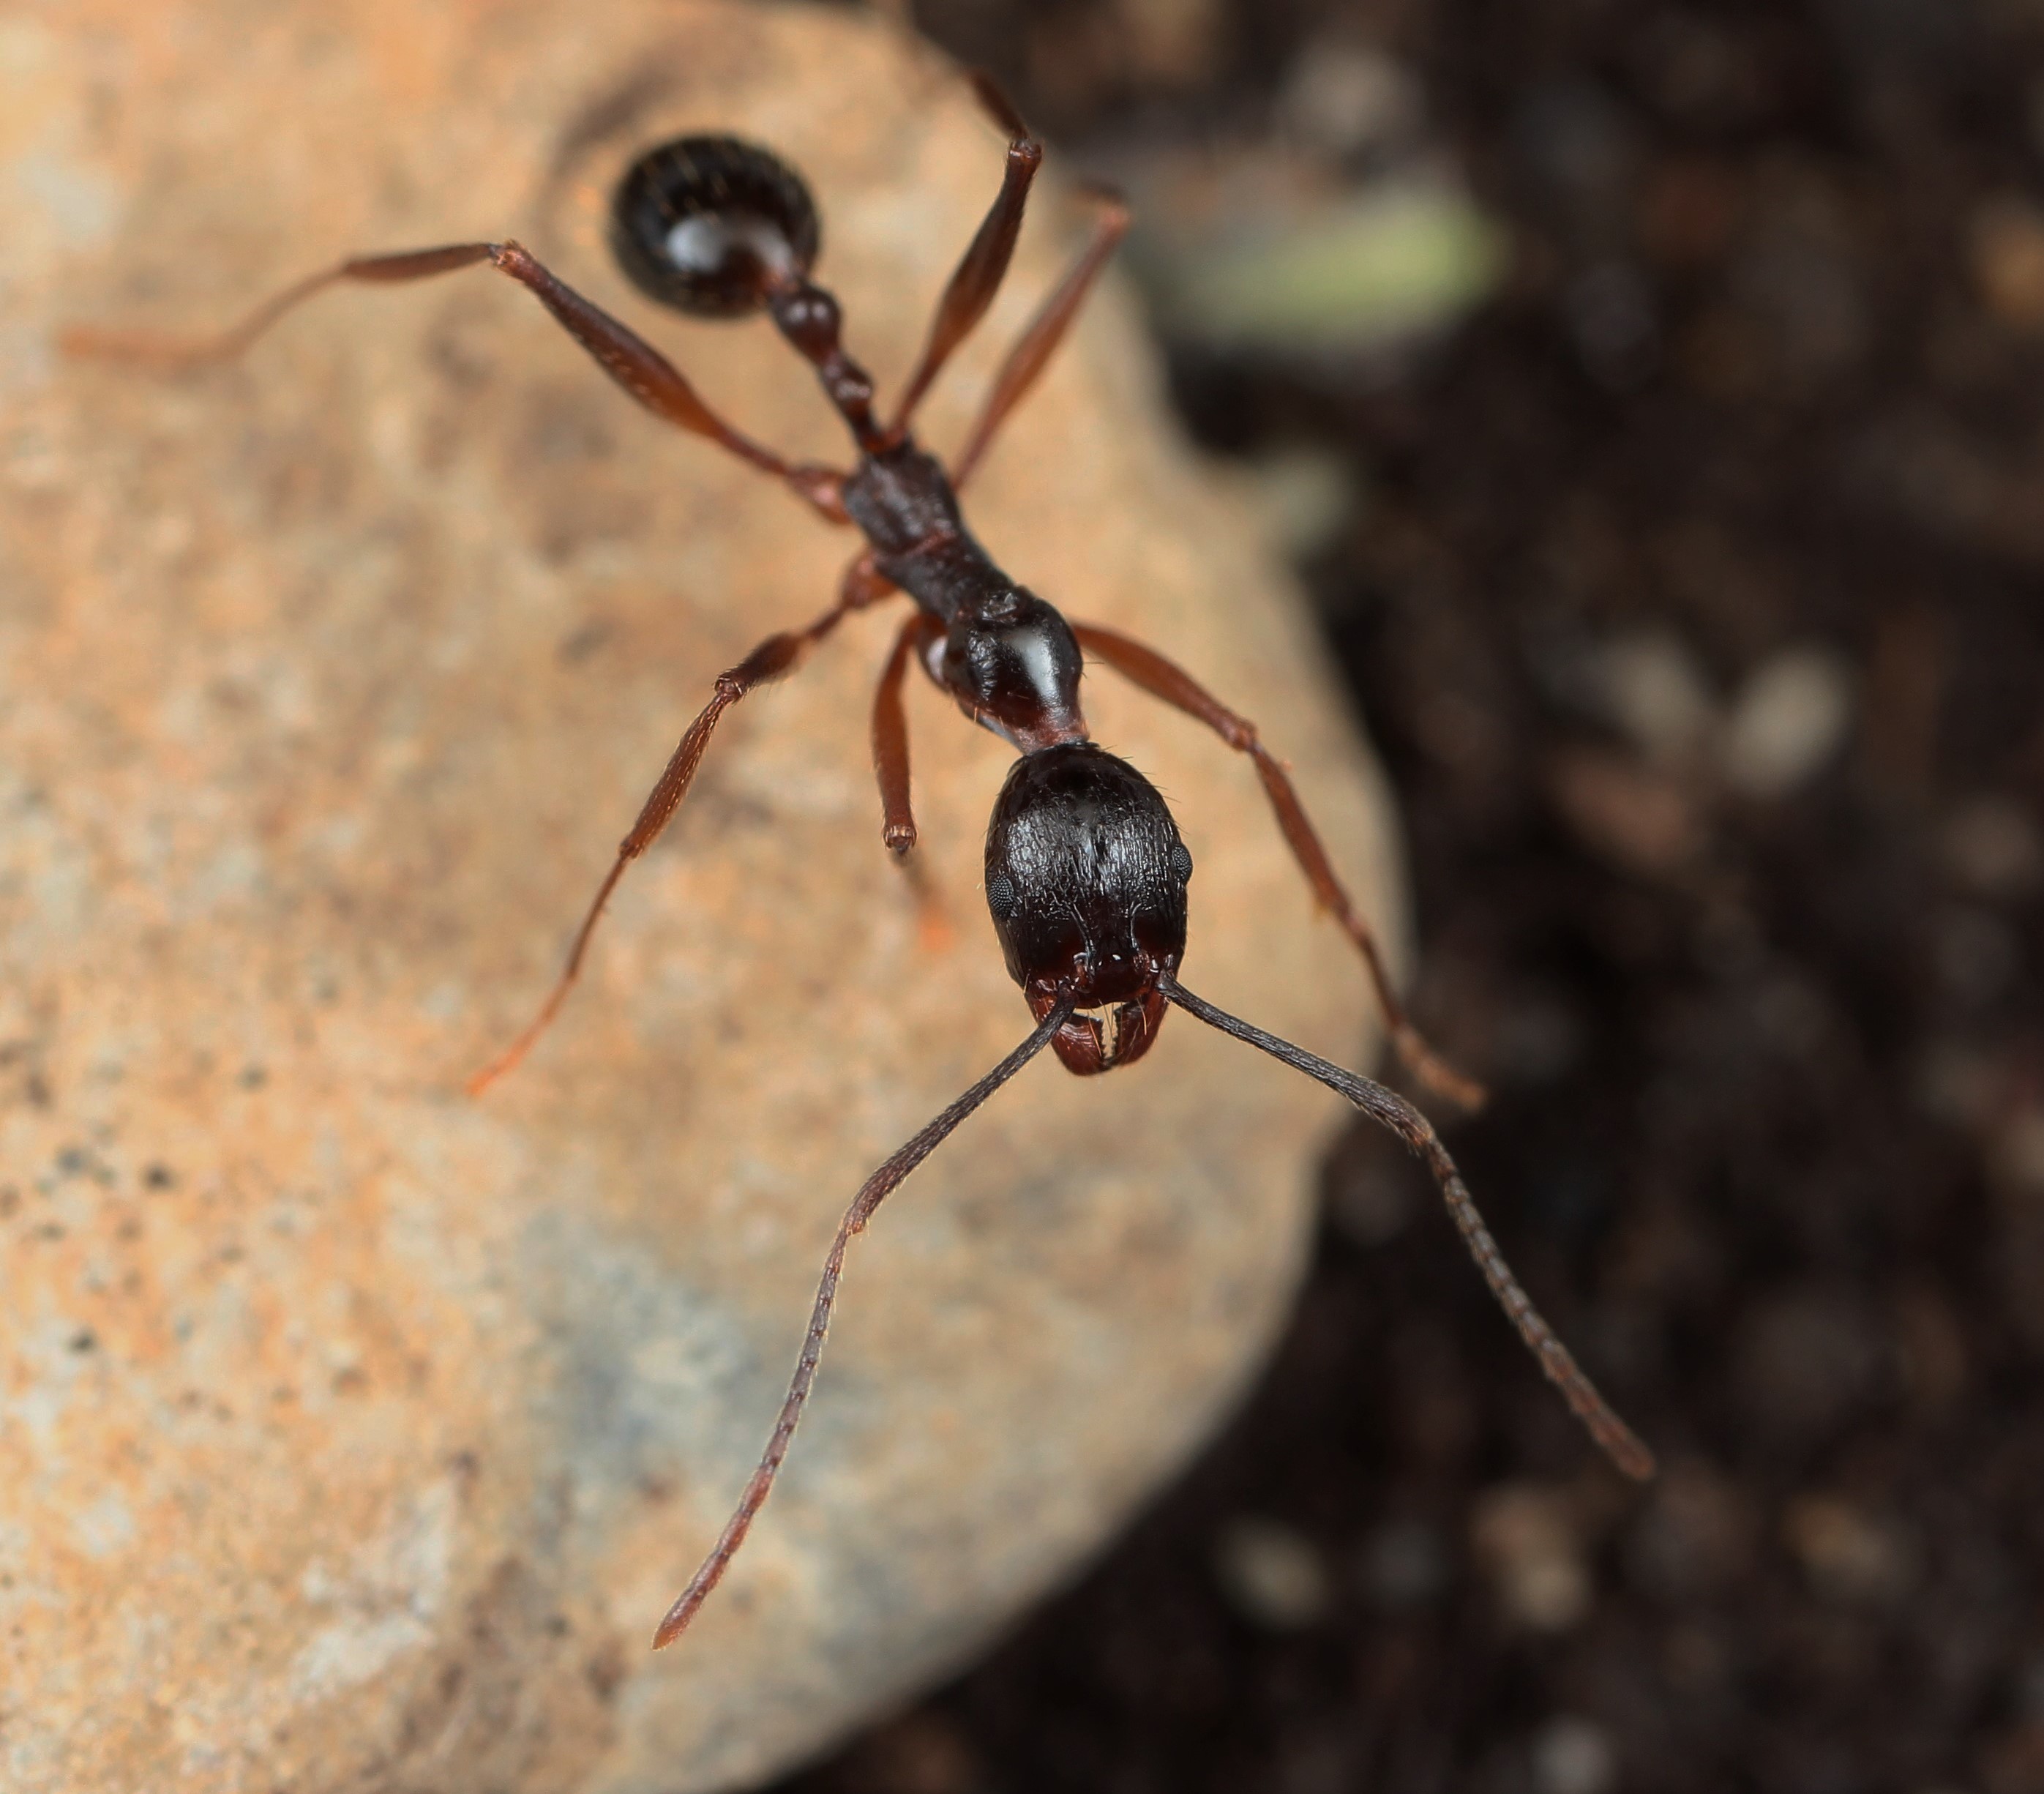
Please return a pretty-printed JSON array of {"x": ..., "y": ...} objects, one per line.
[{"x": 1086, "y": 875}]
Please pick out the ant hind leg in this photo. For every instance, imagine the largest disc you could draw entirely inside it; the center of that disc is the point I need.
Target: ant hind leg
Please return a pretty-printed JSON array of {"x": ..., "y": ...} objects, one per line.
[
  {"x": 176, "y": 354},
  {"x": 632, "y": 362},
  {"x": 1036, "y": 345},
  {"x": 984, "y": 266}
]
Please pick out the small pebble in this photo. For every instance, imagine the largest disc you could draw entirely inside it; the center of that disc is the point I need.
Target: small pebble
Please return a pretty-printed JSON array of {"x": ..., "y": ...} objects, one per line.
[
  {"x": 1370, "y": 1196},
  {"x": 1175, "y": 41},
  {"x": 1694, "y": 1536},
  {"x": 1793, "y": 1014},
  {"x": 1344, "y": 100},
  {"x": 1572, "y": 1756},
  {"x": 1537, "y": 1040},
  {"x": 1798, "y": 282},
  {"x": 1697, "y": 69},
  {"x": 1611, "y": 315},
  {"x": 1695, "y": 1659},
  {"x": 1848, "y": 1554},
  {"x": 1577, "y": 141},
  {"x": 1272, "y": 1575},
  {"x": 1637, "y": 818},
  {"x": 1959, "y": 1083},
  {"x": 1323, "y": 1761},
  {"x": 1789, "y": 718},
  {"x": 2006, "y": 240},
  {"x": 1653, "y": 689},
  {"x": 1690, "y": 210},
  {"x": 2029, "y": 1688},
  {"x": 1930, "y": 1344},
  {"x": 1804, "y": 1358},
  {"x": 922, "y": 1752},
  {"x": 2016, "y": 1154},
  {"x": 1976, "y": 953},
  {"x": 1525, "y": 1537},
  {"x": 1995, "y": 849},
  {"x": 1403, "y": 1565}
]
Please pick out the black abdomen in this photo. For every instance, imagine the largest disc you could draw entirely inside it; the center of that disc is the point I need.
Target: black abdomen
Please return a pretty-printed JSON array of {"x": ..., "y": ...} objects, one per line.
[{"x": 709, "y": 225}]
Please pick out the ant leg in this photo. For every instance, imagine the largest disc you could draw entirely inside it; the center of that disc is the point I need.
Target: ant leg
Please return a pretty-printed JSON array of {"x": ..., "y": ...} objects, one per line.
[
  {"x": 891, "y": 735},
  {"x": 1162, "y": 678},
  {"x": 877, "y": 1187},
  {"x": 890, "y": 763},
  {"x": 979, "y": 273},
  {"x": 775, "y": 656},
  {"x": 630, "y": 361},
  {"x": 862, "y": 583},
  {"x": 1037, "y": 344}
]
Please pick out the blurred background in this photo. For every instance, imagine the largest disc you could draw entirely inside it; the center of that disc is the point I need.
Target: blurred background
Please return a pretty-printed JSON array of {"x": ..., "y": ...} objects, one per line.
[{"x": 1651, "y": 397}]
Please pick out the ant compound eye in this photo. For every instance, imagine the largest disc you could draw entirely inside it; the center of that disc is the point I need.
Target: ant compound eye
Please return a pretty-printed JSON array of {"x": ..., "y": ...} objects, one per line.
[
  {"x": 707, "y": 225},
  {"x": 1001, "y": 897},
  {"x": 1182, "y": 861}
]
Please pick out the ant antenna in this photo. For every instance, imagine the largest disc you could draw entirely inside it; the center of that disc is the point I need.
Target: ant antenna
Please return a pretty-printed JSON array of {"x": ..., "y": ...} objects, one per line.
[
  {"x": 1619, "y": 1442},
  {"x": 904, "y": 1160}
]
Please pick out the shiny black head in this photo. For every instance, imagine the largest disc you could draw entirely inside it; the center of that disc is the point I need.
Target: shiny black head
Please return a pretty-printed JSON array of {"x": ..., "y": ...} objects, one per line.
[
  {"x": 710, "y": 225},
  {"x": 1086, "y": 876}
]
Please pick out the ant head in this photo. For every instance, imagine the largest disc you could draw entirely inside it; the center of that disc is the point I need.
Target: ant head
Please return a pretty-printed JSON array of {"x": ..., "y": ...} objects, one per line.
[
  {"x": 711, "y": 225},
  {"x": 1085, "y": 877}
]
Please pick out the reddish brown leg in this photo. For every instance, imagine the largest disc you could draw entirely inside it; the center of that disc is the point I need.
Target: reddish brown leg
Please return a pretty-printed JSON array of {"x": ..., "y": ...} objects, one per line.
[
  {"x": 1162, "y": 678},
  {"x": 862, "y": 584},
  {"x": 979, "y": 273},
  {"x": 890, "y": 734},
  {"x": 905, "y": 1159},
  {"x": 775, "y": 656},
  {"x": 890, "y": 763},
  {"x": 1035, "y": 346},
  {"x": 634, "y": 364}
]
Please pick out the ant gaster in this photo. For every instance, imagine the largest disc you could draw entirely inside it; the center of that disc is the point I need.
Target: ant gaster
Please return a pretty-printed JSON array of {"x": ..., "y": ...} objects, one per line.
[{"x": 1087, "y": 876}]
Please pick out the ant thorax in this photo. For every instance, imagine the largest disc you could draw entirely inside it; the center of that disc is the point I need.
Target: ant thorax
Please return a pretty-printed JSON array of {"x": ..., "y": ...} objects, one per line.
[
  {"x": 1013, "y": 665},
  {"x": 1010, "y": 658}
]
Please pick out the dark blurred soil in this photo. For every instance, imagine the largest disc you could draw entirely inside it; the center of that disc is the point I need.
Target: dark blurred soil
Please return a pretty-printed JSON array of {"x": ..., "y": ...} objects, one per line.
[{"x": 1694, "y": 591}]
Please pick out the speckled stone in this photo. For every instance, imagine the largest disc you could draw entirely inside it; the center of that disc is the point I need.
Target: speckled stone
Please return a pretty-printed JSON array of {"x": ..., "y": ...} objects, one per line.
[{"x": 354, "y": 1435}]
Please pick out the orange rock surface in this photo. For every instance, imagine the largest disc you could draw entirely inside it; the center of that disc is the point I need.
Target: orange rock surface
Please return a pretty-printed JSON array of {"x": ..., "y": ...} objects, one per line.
[{"x": 353, "y": 1434}]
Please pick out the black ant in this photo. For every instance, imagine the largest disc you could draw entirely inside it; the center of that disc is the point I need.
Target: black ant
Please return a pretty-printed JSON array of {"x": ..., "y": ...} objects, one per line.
[{"x": 1086, "y": 875}]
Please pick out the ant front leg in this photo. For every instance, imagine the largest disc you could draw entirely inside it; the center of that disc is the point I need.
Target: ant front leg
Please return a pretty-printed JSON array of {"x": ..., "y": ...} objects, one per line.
[
  {"x": 631, "y": 363},
  {"x": 1163, "y": 678},
  {"x": 775, "y": 658}
]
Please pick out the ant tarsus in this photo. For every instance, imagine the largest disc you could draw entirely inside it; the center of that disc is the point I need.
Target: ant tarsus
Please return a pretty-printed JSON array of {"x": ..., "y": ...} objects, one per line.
[{"x": 1086, "y": 873}]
